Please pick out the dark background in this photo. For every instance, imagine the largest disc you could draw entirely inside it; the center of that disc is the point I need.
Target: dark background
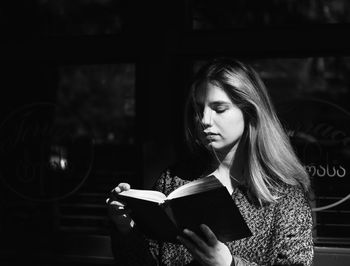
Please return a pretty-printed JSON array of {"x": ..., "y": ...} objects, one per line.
[{"x": 92, "y": 94}]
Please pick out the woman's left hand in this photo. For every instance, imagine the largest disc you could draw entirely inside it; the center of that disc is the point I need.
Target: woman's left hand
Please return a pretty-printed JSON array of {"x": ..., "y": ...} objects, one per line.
[{"x": 209, "y": 251}]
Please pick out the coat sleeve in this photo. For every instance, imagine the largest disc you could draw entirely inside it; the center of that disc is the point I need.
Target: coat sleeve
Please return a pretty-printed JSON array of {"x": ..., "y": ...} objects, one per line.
[
  {"x": 131, "y": 249},
  {"x": 134, "y": 249},
  {"x": 292, "y": 240},
  {"x": 237, "y": 261}
]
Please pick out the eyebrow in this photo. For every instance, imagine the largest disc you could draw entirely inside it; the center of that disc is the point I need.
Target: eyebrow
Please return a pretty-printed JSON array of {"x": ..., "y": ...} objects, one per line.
[
  {"x": 219, "y": 102},
  {"x": 215, "y": 103}
]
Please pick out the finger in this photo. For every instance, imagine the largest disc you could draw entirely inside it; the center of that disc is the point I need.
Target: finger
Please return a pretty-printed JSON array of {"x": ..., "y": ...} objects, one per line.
[
  {"x": 196, "y": 240},
  {"x": 113, "y": 196},
  {"x": 116, "y": 207},
  {"x": 208, "y": 233},
  {"x": 120, "y": 188},
  {"x": 115, "y": 203},
  {"x": 116, "y": 190},
  {"x": 124, "y": 186}
]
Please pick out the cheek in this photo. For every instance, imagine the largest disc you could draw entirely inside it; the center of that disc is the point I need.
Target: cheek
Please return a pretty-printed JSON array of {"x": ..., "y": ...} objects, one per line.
[{"x": 234, "y": 126}]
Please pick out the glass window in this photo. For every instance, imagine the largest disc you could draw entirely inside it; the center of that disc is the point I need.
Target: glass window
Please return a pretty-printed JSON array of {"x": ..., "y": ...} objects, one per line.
[
  {"x": 63, "y": 17},
  {"x": 226, "y": 14},
  {"x": 102, "y": 96}
]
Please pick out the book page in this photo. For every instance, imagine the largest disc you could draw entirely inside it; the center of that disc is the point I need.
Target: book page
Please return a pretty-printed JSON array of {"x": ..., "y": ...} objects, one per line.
[
  {"x": 150, "y": 195},
  {"x": 197, "y": 186}
]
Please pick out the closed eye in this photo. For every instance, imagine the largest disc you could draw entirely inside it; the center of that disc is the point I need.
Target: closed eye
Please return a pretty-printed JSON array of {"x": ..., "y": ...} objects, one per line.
[
  {"x": 219, "y": 106},
  {"x": 220, "y": 109}
]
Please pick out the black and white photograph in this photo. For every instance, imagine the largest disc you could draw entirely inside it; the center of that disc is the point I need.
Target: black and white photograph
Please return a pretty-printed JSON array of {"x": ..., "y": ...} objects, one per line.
[{"x": 170, "y": 133}]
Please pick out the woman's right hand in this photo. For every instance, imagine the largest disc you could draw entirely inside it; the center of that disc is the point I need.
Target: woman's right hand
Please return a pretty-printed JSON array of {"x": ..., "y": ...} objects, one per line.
[{"x": 118, "y": 211}]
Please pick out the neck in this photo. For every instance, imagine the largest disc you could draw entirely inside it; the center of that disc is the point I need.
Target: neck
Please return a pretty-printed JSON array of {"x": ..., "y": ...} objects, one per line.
[
  {"x": 225, "y": 159},
  {"x": 229, "y": 166}
]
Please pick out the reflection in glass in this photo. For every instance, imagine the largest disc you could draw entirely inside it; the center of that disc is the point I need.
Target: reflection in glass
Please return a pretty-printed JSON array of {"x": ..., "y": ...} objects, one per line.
[
  {"x": 98, "y": 97},
  {"x": 311, "y": 97},
  {"x": 225, "y": 14},
  {"x": 63, "y": 17}
]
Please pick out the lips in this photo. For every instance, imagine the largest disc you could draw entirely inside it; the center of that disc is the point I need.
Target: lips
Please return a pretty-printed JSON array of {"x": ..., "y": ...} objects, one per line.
[{"x": 210, "y": 136}]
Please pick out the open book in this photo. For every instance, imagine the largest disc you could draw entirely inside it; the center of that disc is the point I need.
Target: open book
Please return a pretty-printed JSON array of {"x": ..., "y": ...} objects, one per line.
[{"x": 203, "y": 201}]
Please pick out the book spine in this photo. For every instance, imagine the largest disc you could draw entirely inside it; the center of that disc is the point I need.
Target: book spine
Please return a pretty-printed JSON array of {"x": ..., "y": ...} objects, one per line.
[{"x": 168, "y": 210}]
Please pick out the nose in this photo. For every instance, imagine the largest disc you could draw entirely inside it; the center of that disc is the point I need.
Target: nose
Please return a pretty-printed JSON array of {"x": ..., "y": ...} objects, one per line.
[{"x": 207, "y": 117}]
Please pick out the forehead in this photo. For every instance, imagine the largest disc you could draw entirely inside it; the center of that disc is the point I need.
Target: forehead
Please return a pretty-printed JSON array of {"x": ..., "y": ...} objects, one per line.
[{"x": 208, "y": 92}]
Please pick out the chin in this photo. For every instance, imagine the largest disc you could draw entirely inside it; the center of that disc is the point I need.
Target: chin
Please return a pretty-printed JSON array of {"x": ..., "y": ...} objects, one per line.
[
  {"x": 214, "y": 146},
  {"x": 218, "y": 147}
]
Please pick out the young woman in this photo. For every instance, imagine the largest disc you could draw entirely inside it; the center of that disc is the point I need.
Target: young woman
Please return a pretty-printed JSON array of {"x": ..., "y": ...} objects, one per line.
[{"x": 234, "y": 133}]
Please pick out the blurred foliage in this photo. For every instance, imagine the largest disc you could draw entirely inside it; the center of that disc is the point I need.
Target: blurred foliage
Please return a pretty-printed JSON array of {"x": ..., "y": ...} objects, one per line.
[
  {"x": 103, "y": 17},
  {"x": 98, "y": 97},
  {"x": 226, "y": 14},
  {"x": 62, "y": 17}
]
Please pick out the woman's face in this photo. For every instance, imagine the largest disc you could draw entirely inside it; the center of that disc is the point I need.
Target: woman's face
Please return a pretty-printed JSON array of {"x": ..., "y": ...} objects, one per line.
[{"x": 221, "y": 122}]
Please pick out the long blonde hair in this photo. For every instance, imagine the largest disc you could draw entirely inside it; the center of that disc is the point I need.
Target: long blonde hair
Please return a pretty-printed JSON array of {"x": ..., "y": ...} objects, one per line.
[{"x": 271, "y": 160}]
